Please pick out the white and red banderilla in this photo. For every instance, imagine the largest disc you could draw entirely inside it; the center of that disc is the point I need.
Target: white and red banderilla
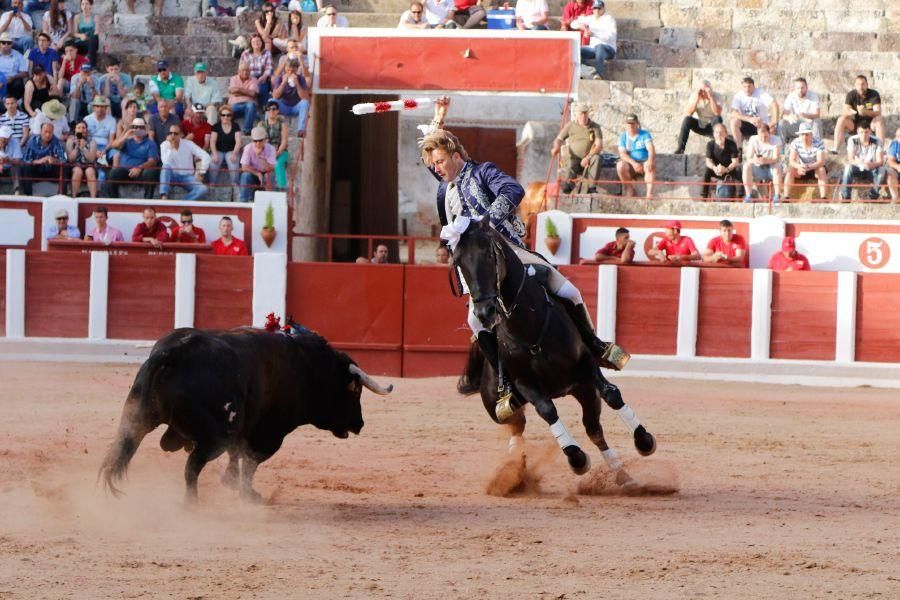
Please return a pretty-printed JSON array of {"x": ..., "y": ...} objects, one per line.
[{"x": 369, "y": 108}]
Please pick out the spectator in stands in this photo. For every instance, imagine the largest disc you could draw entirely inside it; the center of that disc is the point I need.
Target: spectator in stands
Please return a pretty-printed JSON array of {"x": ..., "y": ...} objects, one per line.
[
  {"x": 177, "y": 157},
  {"x": 865, "y": 161},
  {"x": 259, "y": 59},
  {"x": 380, "y": 257},
  {"x": 17, "y": 24},
  {"x": 707, "y": 105},
  {"x": 150, "y": 230},
  {"x": 43, "y": 156},
  {"x": 440, "y": 13},
  {"x": 674, "y": 247},
  {"x": 292, "y": 31},
  {"x": 601, "y": 46},
  {"x": 806, "y": 161},
  {"x": 13, "y": 68},
  {"x": 892, "y": 164},
  {"x": 750, "y": 109},
  {"x": 788, "y": 259},
  {"x": 469, "y": 13},
  {"x": 16, "y": 120},
  {"x": 115, "y": 85},
  {"x": 82, "y": 153},
  {"x": 291, "y": 93},
  {"x": 100, "y": 124},
  {"x": 102, "y": 231},
  {"x": 35, "y": 6},
  {"x": 723, "y": 161},
  {"x": 637, "y": 156},
  {"x": 257, "y": 163},
  {"x": 227, "y": 244},
  {"x": 225, "y": 146},
  {"x": 585, "y": 145},
  {"x": 243, "y": 92},
  {"x": 277, "y": 134},
  {"x": 138, "y": 94},
  {"x": 61, "y": 230},
  {"x": 196, "y": 128},
  {"x": 763, "y": 162},
  {"x": 294, "y": 52},
  {"x": 124, "y": 124},
  {"x": 268, "y": 26},
  {"x": 136, "y": 160},
  {"x": 442, "y": 254},
  {"x": 45, "y": 56},
  {"x": 619, "y": 251},
  {"x": 332, "y": 18},
  {"x": 169, "y": 86},
  {"x": 801, "y": 106},
  {"x": 187, "y": 232},
  {"x": 55, "y": 23},
  {"x": 162, "y": 121},
  {"x": 10, "y": 153},
  {"x": 157, "y": 6},
  {"x": 53, "y": 112},
  {"x": 38, "y": 89},
  {"x": 728, "y": 247},
  {"x": 532, "y": 14},
  {"x": 69, "y": 67},
  {"x": 862, "y": 106},
  {"x": 413, "y": 18},
  {"x": 570, "y": 17},
  {"x": 199, "y": 89},
  {"x": 82, "y": 89},
  {"x": 86, "y": 32}
]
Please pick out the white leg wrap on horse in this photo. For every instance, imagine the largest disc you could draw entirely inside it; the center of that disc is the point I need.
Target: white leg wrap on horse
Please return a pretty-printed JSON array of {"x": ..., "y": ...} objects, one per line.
[
  {"x": 612, "y": 459},
  {"x": 628, "y": 417},
  {"x": 562, "y": 435}
]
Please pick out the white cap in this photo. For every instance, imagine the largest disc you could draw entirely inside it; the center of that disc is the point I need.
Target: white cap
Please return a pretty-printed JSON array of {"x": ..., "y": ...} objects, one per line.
[{"x": 6, "y": 132}]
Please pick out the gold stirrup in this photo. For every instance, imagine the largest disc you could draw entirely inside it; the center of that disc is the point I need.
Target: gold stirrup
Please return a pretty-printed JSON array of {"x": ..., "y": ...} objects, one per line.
[
  {"x": 503, "y": 409},
  {"x": 615, "y": 357}
]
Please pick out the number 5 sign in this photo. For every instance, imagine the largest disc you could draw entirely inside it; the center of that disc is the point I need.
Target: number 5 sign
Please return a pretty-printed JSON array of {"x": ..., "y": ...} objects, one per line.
[{"x": 874, "y": 252}]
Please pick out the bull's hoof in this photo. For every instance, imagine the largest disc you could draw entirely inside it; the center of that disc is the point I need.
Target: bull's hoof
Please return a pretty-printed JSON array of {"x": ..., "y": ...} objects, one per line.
[
  {"x": 644, "y": 441},
  {"x": 579, "y": 461},
  {"x": 250, "y": 495},
  {"x": 504, "y": 408}
]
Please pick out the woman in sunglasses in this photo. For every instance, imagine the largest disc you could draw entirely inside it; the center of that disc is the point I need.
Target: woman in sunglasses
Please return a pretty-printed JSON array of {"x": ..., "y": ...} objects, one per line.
[
  {"x": 225, "y": 147},
  {"x": 268, "y": 26}
]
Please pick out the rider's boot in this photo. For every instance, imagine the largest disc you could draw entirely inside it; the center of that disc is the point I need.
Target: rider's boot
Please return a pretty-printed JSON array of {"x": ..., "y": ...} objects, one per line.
[
  {"x": 608, "y": 354},
  {"x": 487, "y": 341}
]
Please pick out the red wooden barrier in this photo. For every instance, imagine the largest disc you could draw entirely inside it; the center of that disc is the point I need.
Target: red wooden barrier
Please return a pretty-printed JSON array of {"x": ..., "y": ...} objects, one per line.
[
  {"x": 877, "y": 319},
  {"x": 57, "y": 294},
  {"x": 435, "y": 333},
  {"x": 585, "y": 279},
  {"x": 724, "y": 315},
  {"x": 2, "y": 292},
  {"x": 223, "y": 296},
  {"x": 358, "y": 308},
  {"x": 647, "y": 309},
  {"x": 804, "y": 314},
  {"x": 141, "y": 296}
]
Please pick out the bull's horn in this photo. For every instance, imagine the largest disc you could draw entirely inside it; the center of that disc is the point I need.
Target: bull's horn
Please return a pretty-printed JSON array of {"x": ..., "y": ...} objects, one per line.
[{"x": 370, "y": 383}]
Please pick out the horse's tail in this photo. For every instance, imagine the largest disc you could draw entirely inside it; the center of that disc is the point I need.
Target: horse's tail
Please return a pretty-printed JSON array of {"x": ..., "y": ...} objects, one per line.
[{"x": 470, "y": 381}]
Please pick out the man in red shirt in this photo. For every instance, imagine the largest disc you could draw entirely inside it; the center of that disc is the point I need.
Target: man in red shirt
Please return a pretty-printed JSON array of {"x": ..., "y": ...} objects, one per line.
[
  {"x": 188, "y": 233},
  {"x": 620, "y": 251},
  {"x": 728, "y": 247},
  {"x": 227, "y": 244},
  {"x": 469, "y": 13},
  {"x": 196, "y": 128},
  {"x": 573, "y": 10},
  {"x": 788, "y": 259},
  {"x": 150, "y": 230},
  {"x": 674, "y": 248}
]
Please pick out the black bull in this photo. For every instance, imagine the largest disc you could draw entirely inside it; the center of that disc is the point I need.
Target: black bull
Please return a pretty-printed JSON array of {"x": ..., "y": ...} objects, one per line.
[
  {"x": 240, "y": 391},
  {"x": 540, "y": 349}
]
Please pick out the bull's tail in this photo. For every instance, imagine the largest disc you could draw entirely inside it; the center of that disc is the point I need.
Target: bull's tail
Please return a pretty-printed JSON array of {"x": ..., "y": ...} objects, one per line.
[{"x": 470, "y": 381}]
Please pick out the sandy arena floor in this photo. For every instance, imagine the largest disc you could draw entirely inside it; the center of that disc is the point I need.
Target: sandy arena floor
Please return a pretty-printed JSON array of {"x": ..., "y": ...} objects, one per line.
[{"x": 782, "y": 492}]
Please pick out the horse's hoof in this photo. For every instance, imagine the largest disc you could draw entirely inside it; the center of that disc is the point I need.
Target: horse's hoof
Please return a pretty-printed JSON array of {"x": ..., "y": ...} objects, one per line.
[
  {"x": 230, "y": 479},
  {"x": 250, "y": 495},
  {"x": 504, "y": 408},
  {"x": 644, "y": 441},
  {"x": 624, "y": 479},
  {"x": 579, "y": 461}
]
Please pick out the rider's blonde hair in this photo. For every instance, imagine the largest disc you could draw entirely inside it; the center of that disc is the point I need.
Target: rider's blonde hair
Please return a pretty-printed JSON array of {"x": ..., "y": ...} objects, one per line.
[{"x": 443, "y": 140}]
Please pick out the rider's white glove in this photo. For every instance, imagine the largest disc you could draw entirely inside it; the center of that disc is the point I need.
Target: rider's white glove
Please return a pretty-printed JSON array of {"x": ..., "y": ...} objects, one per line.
[{"x": 452, "y": 232}]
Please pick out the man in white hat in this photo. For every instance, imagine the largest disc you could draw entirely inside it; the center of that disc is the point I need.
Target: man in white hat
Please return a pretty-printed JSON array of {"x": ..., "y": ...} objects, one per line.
[
  {"x": 257, "y": 163},
  {"x": 17, "y": 24},
  {"x": 54, "y": 112},
  {"x": 13, "y": 66},
  {"x": 100, "y": 123}
]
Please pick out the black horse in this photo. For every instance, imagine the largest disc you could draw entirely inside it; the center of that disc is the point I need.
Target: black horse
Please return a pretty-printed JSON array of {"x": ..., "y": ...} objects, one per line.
[{"x": 540, "y": 349}]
